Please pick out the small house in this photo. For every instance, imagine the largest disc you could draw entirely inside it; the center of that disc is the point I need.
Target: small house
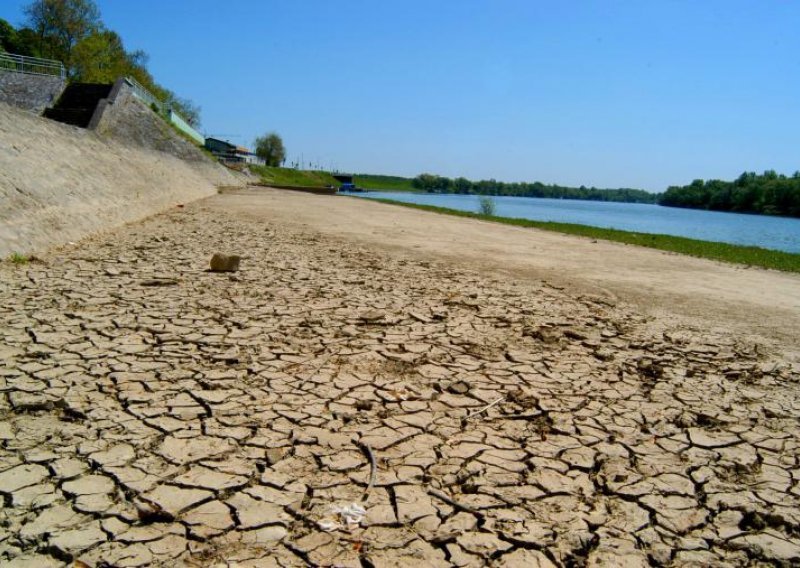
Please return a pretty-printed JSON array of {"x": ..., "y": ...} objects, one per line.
[{"x": 229, "y": 153}]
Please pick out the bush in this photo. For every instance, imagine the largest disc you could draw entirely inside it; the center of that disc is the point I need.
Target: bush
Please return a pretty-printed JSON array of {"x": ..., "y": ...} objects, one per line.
[{"x": 487, "y": 206}]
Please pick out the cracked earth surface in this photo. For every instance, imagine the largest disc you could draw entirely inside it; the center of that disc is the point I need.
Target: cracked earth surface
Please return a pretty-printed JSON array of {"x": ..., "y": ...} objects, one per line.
[{"x": 154, "y": 413}]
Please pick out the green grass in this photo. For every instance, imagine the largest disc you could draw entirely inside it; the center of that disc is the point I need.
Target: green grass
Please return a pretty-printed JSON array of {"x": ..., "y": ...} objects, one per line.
[
  {"x": 736, "y": 254},
  {"x": 289, "y": 176},
  {"x": 388, "y": 183},
  {"x": 18, "y": 259}
]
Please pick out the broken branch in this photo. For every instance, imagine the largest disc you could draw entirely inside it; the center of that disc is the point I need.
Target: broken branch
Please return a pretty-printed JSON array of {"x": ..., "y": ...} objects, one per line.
[
  {"x": 485, "y": 408},
  {"x": 452, "y": 502}
]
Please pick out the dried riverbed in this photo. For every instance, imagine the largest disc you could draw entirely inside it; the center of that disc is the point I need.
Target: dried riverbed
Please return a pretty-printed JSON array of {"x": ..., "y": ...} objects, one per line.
[{"x": 154, "y": 413}]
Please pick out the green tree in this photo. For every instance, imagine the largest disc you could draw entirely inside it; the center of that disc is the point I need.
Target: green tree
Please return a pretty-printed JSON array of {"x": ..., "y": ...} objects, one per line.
[
  {"x": 270, "y": 147},
  {"x": 26, "y": 43},
  {"x": 100, "y": 58},
  {"x": 8, "y": 36},
  {"x": 61, "y": 24},
  {"x": 20, "y": 42},
  {"x": 769, "y": 193},
  {"x": 462, "y": 185}
]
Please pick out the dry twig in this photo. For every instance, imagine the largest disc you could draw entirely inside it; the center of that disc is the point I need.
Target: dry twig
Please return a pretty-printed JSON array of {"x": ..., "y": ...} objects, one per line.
[
  {"x": 452, "y": 502},
  {"x": 373, "y": 468},
  {"x": 485, "y": 408}
]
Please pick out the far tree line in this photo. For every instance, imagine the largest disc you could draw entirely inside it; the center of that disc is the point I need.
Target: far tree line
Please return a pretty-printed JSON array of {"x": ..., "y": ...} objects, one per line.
[
  {"x": 72, "y": 31},
  {"x": 769, "y": 194},
  {"x": 440, "y": 184}
]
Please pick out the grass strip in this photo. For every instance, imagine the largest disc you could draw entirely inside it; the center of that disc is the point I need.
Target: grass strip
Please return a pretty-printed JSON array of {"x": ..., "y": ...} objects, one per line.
[
  {"x": 735, "y": 254},
  {"x": 289, "y": 176},
  {"x": 383, "y": 183}
]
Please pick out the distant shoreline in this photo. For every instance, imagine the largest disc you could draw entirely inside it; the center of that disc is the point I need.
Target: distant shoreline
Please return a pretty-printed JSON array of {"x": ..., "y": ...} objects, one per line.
[{"x": 734, "y": 254}]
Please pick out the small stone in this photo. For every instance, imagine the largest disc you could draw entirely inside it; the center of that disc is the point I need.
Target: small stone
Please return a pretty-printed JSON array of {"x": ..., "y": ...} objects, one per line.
[
  {"x": 459, "y": 387},
  {"x": 543, "y": 334},
  {"x": 363, "y": 405},
  {"x": 225, "y": 262},
  {"x": 604, "y": 354}
]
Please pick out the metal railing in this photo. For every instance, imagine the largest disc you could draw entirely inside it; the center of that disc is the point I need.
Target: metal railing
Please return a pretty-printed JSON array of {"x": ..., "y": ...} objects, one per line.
[
  {"x": 142, "y": 93},
  {"x": 32, "y": 65},
  {"x": 145, "y": 95}
]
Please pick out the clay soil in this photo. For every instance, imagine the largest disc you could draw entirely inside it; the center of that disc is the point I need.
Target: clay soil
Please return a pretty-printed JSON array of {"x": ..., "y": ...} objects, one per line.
[{"x": 472, "y": 394}]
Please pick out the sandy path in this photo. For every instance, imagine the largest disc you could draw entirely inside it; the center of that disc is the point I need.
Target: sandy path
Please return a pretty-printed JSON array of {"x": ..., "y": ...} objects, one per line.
[
  {"x": 710, "y": 295},
  {"x": 153, "y": 413}
]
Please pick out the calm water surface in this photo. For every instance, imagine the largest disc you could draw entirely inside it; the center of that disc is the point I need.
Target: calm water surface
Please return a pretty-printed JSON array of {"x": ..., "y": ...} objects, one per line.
[{"x": 777, "y": 233}]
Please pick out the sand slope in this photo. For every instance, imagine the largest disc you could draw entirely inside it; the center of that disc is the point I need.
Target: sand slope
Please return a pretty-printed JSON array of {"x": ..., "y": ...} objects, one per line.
[{"x": 59, "y": 183}]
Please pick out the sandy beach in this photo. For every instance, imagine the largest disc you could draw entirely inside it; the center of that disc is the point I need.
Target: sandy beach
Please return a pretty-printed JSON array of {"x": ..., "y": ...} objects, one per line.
[{"x": 379, "y": 386}]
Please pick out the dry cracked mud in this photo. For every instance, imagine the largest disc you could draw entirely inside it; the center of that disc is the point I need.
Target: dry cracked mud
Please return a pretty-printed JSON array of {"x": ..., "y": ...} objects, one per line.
[{"x": 155, "y": 413}]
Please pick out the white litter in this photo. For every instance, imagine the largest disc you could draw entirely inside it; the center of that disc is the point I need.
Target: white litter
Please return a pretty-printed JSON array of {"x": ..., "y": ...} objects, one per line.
[
  {"x": 328, "y": 525},
  {"x": 347, "y": 517}
]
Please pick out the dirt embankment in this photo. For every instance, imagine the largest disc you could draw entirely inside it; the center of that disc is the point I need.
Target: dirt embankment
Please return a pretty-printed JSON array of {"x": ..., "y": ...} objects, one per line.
[{"x": 59, "y": 183}]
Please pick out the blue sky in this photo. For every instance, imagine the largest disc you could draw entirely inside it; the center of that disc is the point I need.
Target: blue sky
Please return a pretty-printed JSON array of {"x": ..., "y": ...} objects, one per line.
[{"x": 607, "y": 93}]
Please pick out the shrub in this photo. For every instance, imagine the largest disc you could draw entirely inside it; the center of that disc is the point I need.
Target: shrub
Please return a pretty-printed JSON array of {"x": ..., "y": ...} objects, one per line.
[{"x": 487, "y": 206}]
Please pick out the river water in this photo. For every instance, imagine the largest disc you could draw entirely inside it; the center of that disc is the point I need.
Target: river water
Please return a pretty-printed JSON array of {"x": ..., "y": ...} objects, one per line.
[{"x": 778, "y": 233}]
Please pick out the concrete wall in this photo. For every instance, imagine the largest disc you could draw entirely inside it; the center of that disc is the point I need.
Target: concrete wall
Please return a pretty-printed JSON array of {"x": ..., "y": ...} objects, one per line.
[
  {"x": 60, "y": 183},
  {"x": 126, "y": 118},
  {"x": 30, "y": 92}
]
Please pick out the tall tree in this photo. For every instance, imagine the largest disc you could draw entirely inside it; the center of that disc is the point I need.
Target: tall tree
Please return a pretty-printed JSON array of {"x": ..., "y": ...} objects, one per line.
[
  {"x": 270, "y": 147},
  {"x": 100, "y": 58},
  {"x": 61, "y": 24},
  {"x": 20, "y": 42}
]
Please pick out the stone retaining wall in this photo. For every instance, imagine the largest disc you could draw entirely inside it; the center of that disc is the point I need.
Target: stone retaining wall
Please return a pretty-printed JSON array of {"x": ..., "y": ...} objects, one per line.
[{"x": 30, "y": 92}]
